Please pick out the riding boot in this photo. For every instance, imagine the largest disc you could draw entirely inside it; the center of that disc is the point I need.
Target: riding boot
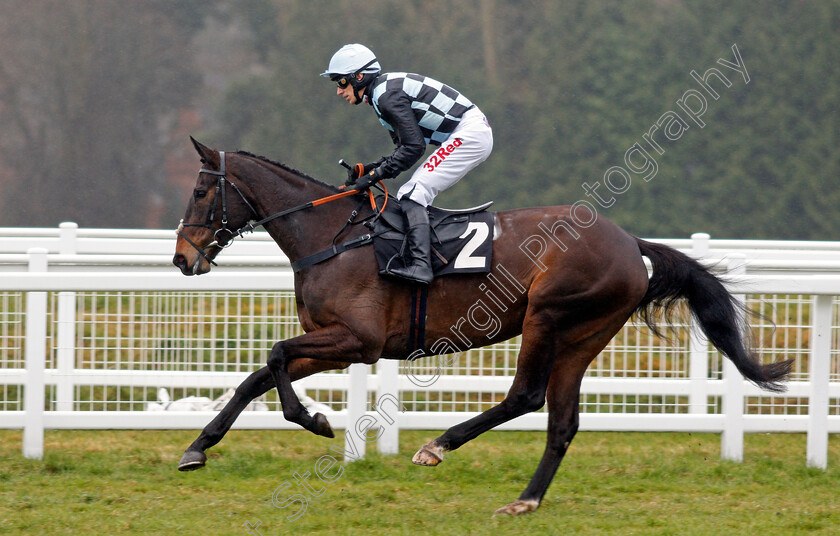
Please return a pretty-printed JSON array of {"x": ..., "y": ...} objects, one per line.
[{"x": 418, "y": 265}]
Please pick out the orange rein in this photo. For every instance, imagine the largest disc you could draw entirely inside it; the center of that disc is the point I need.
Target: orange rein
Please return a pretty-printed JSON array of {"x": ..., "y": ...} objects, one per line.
[
  {"x": 348, "y": 193},
  {"x": 249, "y": 227}
]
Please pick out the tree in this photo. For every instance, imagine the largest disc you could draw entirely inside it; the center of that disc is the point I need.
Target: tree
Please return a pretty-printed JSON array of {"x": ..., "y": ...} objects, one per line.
[{"x": 87, "y": 89}]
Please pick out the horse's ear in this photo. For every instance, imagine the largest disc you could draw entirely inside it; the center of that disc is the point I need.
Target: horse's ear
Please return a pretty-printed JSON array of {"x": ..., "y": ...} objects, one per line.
[{"x": 207, "y": 154}]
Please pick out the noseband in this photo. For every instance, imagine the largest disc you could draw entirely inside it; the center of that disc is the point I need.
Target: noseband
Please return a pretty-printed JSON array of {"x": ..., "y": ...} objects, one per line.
[
  {"x": 249, "y": 227},
  {"x": 223, "y": 236}
]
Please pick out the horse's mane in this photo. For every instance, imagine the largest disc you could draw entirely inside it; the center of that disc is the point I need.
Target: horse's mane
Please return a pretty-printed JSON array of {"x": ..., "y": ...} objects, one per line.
[{"x": 286, "y": 168}]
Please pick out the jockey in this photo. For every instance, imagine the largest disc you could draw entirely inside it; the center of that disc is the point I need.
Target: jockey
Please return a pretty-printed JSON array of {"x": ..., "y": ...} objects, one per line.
[{"x": 417, "y": 111}]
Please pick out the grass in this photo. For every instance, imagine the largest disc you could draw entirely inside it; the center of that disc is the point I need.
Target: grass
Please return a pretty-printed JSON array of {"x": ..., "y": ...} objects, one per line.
[{"x": 125, "y": 482}]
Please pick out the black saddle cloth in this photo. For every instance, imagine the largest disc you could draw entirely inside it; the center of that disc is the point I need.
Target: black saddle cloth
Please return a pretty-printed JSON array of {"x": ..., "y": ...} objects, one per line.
[{"x": 462, "y": 240}]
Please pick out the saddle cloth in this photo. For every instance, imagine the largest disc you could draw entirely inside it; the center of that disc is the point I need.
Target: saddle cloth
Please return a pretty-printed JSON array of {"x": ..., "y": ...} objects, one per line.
[{"x": 462, "y": 240}]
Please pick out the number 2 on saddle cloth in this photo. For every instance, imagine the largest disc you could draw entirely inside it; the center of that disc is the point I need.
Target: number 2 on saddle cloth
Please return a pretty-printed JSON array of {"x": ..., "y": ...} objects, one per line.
[{"x": 462, "y": 240}]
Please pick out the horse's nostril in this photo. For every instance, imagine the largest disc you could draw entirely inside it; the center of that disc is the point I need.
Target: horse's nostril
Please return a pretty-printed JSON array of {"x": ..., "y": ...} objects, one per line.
[{"x": 179, "y": 260}]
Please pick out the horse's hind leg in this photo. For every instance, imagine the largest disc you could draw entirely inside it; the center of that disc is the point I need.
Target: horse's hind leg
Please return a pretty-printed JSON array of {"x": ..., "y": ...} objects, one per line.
[
  {"x": 563, "y": 400},
  {"x": 540, "y": 345},
  {"x": 257, "y": 384},
  {"x": 563, "y": 415}
]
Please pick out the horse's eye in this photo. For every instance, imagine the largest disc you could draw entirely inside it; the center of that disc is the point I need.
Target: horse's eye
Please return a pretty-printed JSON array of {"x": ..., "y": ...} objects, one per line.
[{"x": 199, "y": 194}]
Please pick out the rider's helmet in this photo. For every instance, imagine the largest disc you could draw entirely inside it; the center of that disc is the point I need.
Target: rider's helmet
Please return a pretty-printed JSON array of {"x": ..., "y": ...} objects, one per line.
[{"x": 349, "y": 61}]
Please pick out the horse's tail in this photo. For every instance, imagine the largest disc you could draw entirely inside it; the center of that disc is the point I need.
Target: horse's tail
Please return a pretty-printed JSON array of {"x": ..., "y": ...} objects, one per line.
[{"x": 675, "y": 276}]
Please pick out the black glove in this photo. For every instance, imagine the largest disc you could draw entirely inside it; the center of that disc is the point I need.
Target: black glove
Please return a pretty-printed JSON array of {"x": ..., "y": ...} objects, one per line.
[
  {"x": 360, "y": 170},
  {"x": 353, "y": 174},
  {"x": 368, "y": 180}
]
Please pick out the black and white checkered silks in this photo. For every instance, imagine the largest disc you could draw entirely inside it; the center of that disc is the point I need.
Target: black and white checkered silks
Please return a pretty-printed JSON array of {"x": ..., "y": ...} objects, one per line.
[{"x": 448, "y": 120}]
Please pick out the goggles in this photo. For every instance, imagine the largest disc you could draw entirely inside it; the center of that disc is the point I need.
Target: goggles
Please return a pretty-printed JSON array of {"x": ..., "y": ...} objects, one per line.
[{"x": 342, "y": 81}]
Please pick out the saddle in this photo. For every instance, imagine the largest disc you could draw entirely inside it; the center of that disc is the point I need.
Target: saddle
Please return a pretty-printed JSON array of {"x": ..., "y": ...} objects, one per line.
[{"x": 462, "y": 240}]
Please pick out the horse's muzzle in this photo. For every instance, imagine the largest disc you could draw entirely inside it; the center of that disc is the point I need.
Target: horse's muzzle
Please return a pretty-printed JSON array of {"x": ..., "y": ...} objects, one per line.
[
  {"x": 180, "y": 261},
  {"x": 197, "y": 267}
]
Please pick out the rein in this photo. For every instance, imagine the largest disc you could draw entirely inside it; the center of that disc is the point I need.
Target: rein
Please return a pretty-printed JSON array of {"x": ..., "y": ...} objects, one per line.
[{"x": 251, "y": 226}]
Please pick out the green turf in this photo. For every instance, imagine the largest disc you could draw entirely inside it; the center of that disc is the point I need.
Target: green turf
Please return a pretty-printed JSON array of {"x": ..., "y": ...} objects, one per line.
[{"x": 124, "y": 482}]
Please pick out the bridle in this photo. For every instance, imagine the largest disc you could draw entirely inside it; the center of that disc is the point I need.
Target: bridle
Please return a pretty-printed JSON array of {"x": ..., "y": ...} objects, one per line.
[
  {"x": 249, "y": 227},
  {"x": 219, "y": 238}
]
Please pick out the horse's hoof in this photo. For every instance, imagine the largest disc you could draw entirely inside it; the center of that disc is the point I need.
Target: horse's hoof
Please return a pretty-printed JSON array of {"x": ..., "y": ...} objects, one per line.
[
  {"x": 192, "y": 460},
  {"x": 430, "y": 455},
  {"x": 517, "y": 508},
  {"x": 322, "y": 426}
]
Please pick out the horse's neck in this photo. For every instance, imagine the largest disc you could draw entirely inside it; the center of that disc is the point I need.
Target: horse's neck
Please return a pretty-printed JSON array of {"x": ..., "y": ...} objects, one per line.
[{"x": 309, "y": 230}]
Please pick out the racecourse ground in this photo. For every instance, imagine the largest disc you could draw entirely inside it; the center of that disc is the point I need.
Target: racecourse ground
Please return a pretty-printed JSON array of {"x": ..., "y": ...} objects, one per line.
[{"x": 124, "y": 482}]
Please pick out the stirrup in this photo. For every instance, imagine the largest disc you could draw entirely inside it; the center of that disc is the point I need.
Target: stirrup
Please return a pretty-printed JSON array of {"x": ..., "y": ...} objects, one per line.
[{"x": 409, "y": 274}]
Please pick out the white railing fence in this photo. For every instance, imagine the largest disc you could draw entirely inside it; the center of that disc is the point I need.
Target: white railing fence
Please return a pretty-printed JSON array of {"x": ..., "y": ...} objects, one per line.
[{"x": 91, "y": 330}]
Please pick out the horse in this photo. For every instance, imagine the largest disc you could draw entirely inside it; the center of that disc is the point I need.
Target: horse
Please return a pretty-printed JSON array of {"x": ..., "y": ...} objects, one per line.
[{"x": 571, "y": 280}]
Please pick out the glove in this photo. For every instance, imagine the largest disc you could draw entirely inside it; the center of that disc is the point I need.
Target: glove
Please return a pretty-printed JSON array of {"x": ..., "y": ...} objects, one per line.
[
  {"x": 353, "y": 174},
  {"x": 369, "y": 180},
  {"x": 360, "y": 170}
]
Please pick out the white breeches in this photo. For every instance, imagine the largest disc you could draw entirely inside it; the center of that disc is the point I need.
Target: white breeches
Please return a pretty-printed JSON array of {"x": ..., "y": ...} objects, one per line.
[{"x": 468, "y": 146}]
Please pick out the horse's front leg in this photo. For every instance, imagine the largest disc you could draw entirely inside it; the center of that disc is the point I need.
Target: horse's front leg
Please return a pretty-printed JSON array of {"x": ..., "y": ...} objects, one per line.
[
  {"x": 328, "y": 344},
  {"x": 257, "y": 384}
]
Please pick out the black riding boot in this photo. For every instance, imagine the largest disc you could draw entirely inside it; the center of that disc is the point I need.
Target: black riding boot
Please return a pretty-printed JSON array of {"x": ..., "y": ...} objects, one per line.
[{"x": 418, "y": 265}]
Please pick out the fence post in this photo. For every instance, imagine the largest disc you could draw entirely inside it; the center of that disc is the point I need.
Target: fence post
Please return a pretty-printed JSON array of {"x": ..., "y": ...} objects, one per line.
[
  {"x": 356, "y": 408},
  {"x": 388, "y": 391},
  {"x": 35, "y": 357},
  {"x": 732, "y": 438},
  {"x": 698, "y": 354},
  {"x": 65, "y": 360},
  {"x": 820, "y": 365}
]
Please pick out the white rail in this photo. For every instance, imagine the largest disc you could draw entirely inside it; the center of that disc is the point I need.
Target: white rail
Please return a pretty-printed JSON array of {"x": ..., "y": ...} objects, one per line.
[{"x": 72, "y": 272}]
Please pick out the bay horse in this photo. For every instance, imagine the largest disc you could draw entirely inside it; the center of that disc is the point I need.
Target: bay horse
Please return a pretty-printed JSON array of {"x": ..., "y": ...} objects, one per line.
[{"x": 578, "y": 285}]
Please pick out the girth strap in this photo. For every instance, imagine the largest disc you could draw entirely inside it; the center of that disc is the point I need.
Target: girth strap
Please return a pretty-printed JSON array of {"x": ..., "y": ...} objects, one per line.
[{"x": 331, "y": 252}]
